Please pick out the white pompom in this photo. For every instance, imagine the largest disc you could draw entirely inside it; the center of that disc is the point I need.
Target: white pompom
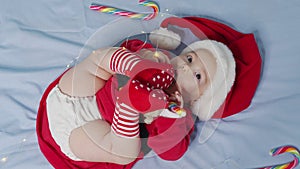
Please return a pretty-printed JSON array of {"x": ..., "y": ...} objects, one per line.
[{"x": 165, "y": 39}]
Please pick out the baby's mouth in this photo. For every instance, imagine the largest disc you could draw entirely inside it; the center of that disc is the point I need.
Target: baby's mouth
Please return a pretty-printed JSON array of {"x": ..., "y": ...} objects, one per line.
[{"x": 174, "y": 93}]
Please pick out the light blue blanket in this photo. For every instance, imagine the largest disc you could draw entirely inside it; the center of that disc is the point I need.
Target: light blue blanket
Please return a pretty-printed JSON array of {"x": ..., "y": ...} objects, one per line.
[{"x": 38, "y": 39}]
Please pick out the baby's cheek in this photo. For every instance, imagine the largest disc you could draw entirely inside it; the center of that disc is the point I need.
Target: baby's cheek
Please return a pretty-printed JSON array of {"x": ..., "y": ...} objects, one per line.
[{"x": 190, "y": 90}]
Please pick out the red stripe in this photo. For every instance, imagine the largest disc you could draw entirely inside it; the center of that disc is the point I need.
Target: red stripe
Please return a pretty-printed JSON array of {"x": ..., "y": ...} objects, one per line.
[
  {"x": 127, "y": 130},
  {"x": 122, "y": 62},
  {"x": 113, "y": 60},
  {"x": 121, "y": 110},
  {"x": 116, "y": 62},
  {"x": 131, "y": 122},
  {"x": 128, "y": 135},
  {"x": 291, "y": 165}
]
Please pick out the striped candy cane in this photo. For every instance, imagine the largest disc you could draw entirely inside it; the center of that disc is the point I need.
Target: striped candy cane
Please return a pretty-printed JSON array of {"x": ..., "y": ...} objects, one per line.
[
  {"x": 129, "y": 14},
  {"x": 285, "y": 149}
]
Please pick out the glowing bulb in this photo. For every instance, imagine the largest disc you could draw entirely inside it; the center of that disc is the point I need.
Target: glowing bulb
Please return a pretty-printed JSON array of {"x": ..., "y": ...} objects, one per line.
[
  {"x": 156, "y": 54},
  {"x": 167, "y": 10},
  {"x": 24, "y": 140},
  {"x": 143, "y": 32},
  {"x": 4, "y": 159}
]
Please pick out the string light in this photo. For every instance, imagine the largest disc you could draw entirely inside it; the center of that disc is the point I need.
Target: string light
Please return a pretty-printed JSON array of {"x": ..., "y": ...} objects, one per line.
[
  {"x": 156, "y": 54},
  {"x": 21, "y": 142},
  {"x": 4, "y": 159}
]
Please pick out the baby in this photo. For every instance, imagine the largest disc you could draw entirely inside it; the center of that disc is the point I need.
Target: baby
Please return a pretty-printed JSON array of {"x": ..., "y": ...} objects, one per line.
[{"x": 199, "y": 78}]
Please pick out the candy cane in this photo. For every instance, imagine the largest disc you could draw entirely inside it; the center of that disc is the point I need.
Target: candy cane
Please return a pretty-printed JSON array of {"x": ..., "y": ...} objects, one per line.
[
  {"x": 129, "y": 14},
  {"x": 285, "y": 149}
]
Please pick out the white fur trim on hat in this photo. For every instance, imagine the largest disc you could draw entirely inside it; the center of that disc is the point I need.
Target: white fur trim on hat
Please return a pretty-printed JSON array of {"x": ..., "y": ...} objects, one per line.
[
  {"x": 165, "y": 39},
  {"x": 214, "y": 96}
]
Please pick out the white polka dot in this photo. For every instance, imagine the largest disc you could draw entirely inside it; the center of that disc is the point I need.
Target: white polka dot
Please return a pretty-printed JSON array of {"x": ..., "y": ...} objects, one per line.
[
  {"x": 148, "y": 88},
  {"x": 153, "y": 95},
  {"x": 157, "y": 85},
  {"x": 133, "y": 81},
  {"x": 141, "y": 85},
  {"x": 163, "y": 79},
  {"x": 158, "y": 77},
  {"x": 159, "y": 98},
  {"x": 154, "y": 79},
  {"x": 136, "y": 88},
  {"x": 168, "y": 77},
  {"x": 162, "y": 72}
]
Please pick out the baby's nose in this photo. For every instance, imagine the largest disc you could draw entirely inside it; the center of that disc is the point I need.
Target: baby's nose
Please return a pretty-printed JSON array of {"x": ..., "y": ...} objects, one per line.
[{"x": 184, "y": 67}]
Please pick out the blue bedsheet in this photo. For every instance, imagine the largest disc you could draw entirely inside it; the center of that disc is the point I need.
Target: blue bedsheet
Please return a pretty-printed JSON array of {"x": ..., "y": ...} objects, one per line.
[{"x": 38, "y": 39}]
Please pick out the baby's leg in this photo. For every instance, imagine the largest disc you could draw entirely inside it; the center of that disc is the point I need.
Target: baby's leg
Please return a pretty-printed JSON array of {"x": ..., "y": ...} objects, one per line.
[
  {"x": 86, "y": 78},
  {"x": 95, "y": 141}
]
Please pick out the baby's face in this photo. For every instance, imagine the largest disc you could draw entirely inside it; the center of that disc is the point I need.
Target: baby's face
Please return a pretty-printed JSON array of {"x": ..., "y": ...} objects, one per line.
[{"x": 194, "y": 73}]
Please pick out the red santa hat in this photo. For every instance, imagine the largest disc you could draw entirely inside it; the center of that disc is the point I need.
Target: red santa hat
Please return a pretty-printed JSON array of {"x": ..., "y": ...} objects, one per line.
[
  {"x": 244, "y": 48},
  {"x": 213, "y": 97}
]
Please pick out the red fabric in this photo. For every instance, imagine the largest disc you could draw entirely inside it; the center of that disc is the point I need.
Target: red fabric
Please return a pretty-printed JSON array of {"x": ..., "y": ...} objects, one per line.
[
  {"x": 246, "y": 55},
  {"x": 136, "y": 45},
  {"x": 169, "y": 138}
]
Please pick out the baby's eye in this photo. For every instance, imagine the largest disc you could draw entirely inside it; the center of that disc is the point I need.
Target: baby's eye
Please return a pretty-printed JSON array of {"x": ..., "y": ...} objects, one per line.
[
  {"x": 198, "y": 76},
  {"x": 189, "y": 58}
]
